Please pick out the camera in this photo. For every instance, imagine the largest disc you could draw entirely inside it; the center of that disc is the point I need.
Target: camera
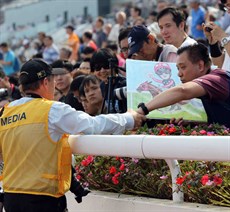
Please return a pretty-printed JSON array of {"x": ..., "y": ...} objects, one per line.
[
  {"x": 121, "y": 93},
  {"x": 208, "y": 29},
  {"x": 3, "y": 93}
]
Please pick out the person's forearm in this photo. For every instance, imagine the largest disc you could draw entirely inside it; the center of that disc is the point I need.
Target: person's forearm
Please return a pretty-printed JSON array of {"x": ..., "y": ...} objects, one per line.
[
  {"x": 167, "y": 98},
  {"x": 5, "y": 63},
  {"x": 218, "y": 61}
]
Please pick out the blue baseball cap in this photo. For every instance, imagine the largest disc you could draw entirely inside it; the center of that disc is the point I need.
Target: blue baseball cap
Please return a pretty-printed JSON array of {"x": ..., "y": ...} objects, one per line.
[{"x": 136, "y": 37}]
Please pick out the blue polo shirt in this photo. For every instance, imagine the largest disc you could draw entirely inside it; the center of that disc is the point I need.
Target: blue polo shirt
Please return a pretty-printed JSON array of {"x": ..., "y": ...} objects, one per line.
[{"x": 9, "y": 56}]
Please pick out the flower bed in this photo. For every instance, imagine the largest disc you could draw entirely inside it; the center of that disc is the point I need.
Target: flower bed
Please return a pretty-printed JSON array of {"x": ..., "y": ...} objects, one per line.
[{"x": 202, "y": 182}]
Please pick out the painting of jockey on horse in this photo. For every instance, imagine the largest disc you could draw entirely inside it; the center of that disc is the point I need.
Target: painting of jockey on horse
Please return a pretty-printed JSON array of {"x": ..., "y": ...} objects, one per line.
[{"x": 146, "y": 79}]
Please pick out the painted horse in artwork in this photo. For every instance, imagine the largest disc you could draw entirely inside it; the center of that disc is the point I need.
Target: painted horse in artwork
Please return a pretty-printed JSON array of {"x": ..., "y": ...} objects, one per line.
[
  {"x": 148, "y": 86},
  {"x": 154, "y": 90}
]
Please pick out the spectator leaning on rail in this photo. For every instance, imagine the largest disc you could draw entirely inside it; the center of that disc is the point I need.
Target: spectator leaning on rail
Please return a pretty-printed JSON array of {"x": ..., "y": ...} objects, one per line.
[
  {"x": 43, "y": 172},
  {"x": 199, "y": 81}
]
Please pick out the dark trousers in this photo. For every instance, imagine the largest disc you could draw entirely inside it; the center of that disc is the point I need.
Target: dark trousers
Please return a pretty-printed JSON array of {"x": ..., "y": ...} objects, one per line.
[{"x": 33, "y": 203}]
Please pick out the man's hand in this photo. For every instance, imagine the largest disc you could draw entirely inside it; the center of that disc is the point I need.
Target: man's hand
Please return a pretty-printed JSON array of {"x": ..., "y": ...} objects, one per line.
[
  {"x": 207, "y": 28},
  {"x": 5, "y": 82},
  {"x": 179, "y": 121},
  {"x": 216, "y": 32},
  {"x": 138, "y": 119}
]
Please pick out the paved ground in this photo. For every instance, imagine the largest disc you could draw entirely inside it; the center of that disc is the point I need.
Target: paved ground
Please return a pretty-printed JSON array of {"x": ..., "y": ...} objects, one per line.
[{"x": 71, "y": 202}]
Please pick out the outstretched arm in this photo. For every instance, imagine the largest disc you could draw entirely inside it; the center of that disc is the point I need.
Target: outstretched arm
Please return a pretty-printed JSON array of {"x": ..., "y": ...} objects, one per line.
[{"x": 173, "y": 95}]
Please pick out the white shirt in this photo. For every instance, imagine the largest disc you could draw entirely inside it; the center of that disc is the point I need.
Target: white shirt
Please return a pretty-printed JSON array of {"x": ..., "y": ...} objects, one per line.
[
  {"x": 64, "y": 119},
  {"x": 113, "y": 35},
  {"x": 226, "y": 63},
  {"x": 188, "y": 41}
]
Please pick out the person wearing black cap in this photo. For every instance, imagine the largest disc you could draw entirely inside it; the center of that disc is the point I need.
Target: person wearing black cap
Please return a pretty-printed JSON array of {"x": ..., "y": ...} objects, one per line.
[
  {"x": 34, "y": 132},
  {"x": 143, "y": 45}
]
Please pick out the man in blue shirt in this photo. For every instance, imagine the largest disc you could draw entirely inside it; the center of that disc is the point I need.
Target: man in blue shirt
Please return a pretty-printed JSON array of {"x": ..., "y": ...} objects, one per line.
[
  {"x": 198, "y": 17},
  {"x": 8, "y": 59}
]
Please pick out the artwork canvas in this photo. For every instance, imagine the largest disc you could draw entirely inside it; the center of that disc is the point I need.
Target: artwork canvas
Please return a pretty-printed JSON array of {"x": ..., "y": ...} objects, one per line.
[{"x": 146, "y": 79}]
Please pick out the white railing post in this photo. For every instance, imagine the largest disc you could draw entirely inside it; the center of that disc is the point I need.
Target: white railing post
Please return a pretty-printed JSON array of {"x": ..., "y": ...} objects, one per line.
[{"x": 177, "y": 193}]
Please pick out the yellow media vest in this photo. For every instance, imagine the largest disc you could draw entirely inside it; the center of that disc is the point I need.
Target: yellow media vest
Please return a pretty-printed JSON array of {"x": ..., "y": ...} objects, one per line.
[{"x": 33, "y": 162}]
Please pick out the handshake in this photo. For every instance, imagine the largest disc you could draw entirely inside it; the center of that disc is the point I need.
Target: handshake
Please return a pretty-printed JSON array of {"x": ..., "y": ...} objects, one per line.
[{"x": 139, "y": 115}]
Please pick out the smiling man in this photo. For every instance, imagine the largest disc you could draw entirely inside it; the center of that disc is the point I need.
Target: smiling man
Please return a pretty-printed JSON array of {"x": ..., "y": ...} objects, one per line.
[
  {"x": 172, "y": 26},
  {"x": 199, "y": 81}
]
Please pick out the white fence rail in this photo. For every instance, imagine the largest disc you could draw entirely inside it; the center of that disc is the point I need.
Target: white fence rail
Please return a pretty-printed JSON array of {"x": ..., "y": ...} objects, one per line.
[{"x": 170, "y": 148}]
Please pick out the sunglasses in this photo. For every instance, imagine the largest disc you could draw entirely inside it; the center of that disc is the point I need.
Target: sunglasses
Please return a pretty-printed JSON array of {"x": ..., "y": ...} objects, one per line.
[{"x": 98, "y": 67}]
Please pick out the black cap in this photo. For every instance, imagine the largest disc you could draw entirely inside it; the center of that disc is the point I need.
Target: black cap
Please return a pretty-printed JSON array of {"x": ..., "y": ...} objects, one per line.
[
  {"x": 34, "y": 70},
  {"x": 136, "y": 37}
]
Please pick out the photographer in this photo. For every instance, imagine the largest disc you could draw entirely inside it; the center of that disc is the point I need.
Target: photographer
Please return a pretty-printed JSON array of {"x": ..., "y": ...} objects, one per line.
[
  {"x": 219, "y": 41},
  {"x": 44, "y": 160},
  {"x": 104, "y": 64}
]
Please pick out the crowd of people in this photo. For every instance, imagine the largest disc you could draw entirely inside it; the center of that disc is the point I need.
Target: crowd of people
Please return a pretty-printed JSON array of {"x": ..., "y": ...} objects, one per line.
[{"x": 80, "y": 88}]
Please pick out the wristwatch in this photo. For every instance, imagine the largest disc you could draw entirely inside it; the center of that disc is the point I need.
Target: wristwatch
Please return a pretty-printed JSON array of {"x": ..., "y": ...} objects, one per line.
[
  {"x": 144, "y": 108},
  {"x": 224, "y": 41}
]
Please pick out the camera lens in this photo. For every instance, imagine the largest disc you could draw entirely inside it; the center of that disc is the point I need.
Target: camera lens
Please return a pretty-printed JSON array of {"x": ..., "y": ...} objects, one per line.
[{"x": 121, "y": 93}]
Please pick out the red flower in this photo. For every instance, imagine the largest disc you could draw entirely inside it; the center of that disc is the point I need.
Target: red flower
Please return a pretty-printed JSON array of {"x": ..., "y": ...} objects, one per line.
[
  {"x": 217, "y": 180},
  {"x": 162, "y": 132},
  {"x": 187, "y": 173},
  {"x": 203, "y": 132},
  {"x": 118, "y": 174},
  {"x": 184, "y": 130},
  {"x": 172, "y": 130},
  {"x": 180, "y": 180},
  {"x": 122, "y": 167},
  {"x": 84, "y": 163},
  {"x": 78, "y": 177},
  {"x": 112, "y": 170},
  {"x": 194, "y": 132},
  {"x": 204, "y": 179},
  {"x": 87, "y": 161},
  {"x": 115, "y": 180}
]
